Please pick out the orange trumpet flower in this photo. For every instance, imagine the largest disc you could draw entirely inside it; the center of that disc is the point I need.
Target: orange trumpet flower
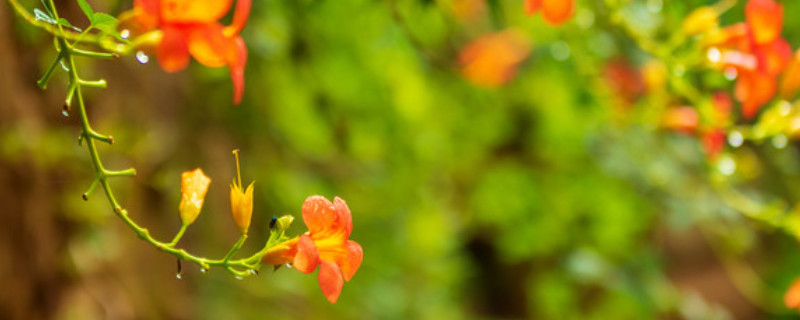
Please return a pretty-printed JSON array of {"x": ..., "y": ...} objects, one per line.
[
  {"x": 325, "y": 245},
  {"x": 191, "y": 27}
]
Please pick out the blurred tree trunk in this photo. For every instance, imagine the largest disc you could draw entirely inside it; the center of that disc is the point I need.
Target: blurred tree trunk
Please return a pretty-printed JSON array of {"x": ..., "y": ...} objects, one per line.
[{"x": 31, "y": 239}]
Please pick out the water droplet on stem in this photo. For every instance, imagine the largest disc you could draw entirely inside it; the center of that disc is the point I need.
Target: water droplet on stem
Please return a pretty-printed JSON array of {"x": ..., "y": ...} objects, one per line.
[{"x": 142, "y": 57}]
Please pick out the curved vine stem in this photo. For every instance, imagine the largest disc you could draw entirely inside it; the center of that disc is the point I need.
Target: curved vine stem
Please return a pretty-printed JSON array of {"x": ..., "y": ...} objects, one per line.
[
  {"x": 65, "y": 44},
  {"x": 113, "y": 47}
]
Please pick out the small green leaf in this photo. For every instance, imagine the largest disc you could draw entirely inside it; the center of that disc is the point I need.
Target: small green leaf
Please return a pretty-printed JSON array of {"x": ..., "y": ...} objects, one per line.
[
  {"x": 87, "y": 9},
  {"x": 104, "y": 22},
  {"x": 40, "y": 15}
]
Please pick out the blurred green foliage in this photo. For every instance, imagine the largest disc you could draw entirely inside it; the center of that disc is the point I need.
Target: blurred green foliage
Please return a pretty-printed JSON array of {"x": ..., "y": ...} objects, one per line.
[{"x": 542, "y": 199}]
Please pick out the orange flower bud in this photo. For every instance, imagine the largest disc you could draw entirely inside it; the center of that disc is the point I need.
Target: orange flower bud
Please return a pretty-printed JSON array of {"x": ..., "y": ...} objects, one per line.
[
  {"x": 241, "y": 201},
  {"x": 242, "y": 205},
  {"x": 194, "y": 185}
]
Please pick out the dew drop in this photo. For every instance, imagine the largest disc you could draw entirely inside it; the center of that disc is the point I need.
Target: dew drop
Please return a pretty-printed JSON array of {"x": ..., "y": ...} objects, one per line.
[
  {"x": 125, "y": 34},
  {"x": 64, "y": 66},
  {"x": 289, "y": 266},
  {"x": 714, "y": 55},
  {"x": 178, "y": 276},
  {"x": 779, "y": 141},
  {"x": 142, "y": 57},
  {"x": 65, "y": 113},
  {"x": 726, "y": 166},
  {"x": 239, "y": 278},
  {"x": 251, "y": 272},
  {"x": 203, "y": 270},
  {"x": 735, "y": 139}
]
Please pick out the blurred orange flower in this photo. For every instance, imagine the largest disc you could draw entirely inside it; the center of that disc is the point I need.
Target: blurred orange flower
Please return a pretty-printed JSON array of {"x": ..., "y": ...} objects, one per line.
[
  {"x": 790, "y": 82},
  {"x": 492, "y": 59},
  {"x": 682, "y": 119},
  {"x": 191, "y": 27},
  {"x": 792, "y": 297},
  {"x": 765, "y": 19},
  {"x": 625, "y": 81},
  {"x": 758, "y": 53},
  {"x": 555, "y": 12},
  {"x": 325, "y": 245},
  {"x": 713, "y": 143}
]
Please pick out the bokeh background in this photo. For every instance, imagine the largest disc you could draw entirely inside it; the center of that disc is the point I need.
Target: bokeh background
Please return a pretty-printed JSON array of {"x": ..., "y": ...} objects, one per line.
[{"x": 553, "y": 196}]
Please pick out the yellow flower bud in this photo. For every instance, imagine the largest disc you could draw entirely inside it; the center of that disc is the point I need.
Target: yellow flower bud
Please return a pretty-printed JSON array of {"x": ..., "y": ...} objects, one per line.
[
  {"x": 194, "y": 185},
  {"x": 284, "y": 222},
  {"x": 700, "y": 21},
  {"x": 241, "y": 201},
  {"x": 242, "y": 206}
]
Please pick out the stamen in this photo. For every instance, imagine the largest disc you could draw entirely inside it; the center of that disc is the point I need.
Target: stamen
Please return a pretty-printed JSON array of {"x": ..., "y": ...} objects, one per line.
[{"x": 238, "y": 171}]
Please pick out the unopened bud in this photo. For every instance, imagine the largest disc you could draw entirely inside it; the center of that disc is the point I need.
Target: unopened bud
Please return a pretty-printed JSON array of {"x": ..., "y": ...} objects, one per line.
[
  {"x": 194, "y": 185},
  {"x": 242, "y": 206},
  {"x": 284, "y": 222}
]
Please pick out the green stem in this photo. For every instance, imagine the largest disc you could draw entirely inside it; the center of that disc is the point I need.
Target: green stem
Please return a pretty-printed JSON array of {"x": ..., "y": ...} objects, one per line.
[
  {"x": 93, "y": 54},
  {"x": 42, "y": 83},
  {"x": 236, "y": 247},
  {"x": 179, "y": 235},
  {"x": 55, "y": 30},
  {"x": 101, "y": 84},
  {"x": 66, "y": 54},
  {"x": 115, "y": 48}
]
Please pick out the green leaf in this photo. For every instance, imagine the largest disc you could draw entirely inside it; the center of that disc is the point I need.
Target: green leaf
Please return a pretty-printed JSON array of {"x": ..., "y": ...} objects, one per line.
[
  {"x": 40, "y": 15},
  {"x": 104, "y": 22},
  {"x": 87, "y": 9}
]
